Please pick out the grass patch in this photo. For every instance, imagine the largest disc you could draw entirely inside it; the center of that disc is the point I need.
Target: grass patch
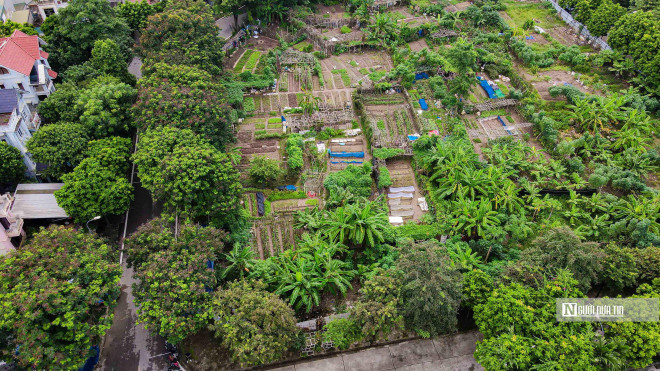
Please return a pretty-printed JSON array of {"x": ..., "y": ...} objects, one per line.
[
  {"x": 381, "y": 124},
  {"x": 377, "y": 76},
  {"x": 260, "y": 126},
  {"x": 274, "y": 126},
  {"x": 495, "y": 112},
  {"x": 522, "y": 12},
  {"x": 364, "y": 71},
  {"x": 275, "y": 120}
]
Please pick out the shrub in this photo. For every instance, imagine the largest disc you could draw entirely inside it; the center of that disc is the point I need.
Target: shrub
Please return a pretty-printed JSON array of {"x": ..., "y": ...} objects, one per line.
[
  {"x": 355, "y": 179},
  {"x": 294, "y": 152},
  {"x": 312, "y": 202},
  {"x": 264, "y": 171},
  {"x": 384, "y": 179},
  {"x": 248, "y": 104},
  {"x": 345, "y": 29},
  {"x": 342, "y": 332}
]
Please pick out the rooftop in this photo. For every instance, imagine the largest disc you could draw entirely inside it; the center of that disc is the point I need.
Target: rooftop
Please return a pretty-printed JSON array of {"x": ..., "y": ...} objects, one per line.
[
  {"x": 19, "y": 52},
  {"x": 37, "y": 201}
]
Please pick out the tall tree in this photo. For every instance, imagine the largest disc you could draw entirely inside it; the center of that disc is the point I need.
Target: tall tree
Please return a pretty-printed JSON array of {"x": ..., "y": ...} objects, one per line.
[
  {"x": 185, "y": 33},
  {"x": 173, "y": 289},
  {"x": 12, "y": 167},
  {"x": 57, "y": 293},
  {"x": 431, "y": 289},
  {"x": 98, "y": 185},
  {"x": 71, "y": 33},
  {"x": 188, "y": 174},
  {"x": 185, "y": 97},
  {"x": 255, "y": 325},
  {"x": 61, "y": 146}
]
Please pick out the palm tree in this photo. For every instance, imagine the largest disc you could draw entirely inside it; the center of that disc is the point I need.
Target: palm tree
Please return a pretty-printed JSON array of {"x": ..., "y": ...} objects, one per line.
[
  {"x": 239, "y": 259},
  {"x": 368, "y": 225},
  {"x": 338, "y": 224}
]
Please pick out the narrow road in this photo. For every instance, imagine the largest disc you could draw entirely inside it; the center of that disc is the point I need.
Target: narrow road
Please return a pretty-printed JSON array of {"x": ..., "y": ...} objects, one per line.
[{"x": 129, "y": 346}]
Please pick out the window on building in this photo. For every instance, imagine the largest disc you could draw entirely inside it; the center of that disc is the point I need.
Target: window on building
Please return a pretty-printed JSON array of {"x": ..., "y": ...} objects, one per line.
[
  {"x": 49, "y": 11},
  {"x": 20, "y": 132},
  {"x": 4, "y": 71},
  {"x": 2, "y": 86}
]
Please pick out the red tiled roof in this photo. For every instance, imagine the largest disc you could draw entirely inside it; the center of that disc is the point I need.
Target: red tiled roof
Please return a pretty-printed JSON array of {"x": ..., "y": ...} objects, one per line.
[
  {"x": 19, "y": 52},
  {"x": 52, "y": 74}
]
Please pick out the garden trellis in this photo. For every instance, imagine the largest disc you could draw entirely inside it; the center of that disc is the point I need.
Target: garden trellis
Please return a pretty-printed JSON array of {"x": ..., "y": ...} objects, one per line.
[{"x": 325, "y": 117}]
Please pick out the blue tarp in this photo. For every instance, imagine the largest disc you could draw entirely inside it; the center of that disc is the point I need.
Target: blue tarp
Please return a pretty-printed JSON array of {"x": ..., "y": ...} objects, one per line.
[
  {"x": 504, "y": 124},
  {"x": 210, "y": 264},
  {"x": 283, "y": 119},
  {"x": 413, "y": 138},
  {"x": 489, "y": 90},
  {"x": 422, "y": 103},
  {"x": 345, "y": 162},
  {"x": 529, "y": 37},
  {"x": 421, "y": 76},
  {"x": 287, "y": 188},
  {"x": 91, "y": 361},
  {"x": 346, "y": 154}
]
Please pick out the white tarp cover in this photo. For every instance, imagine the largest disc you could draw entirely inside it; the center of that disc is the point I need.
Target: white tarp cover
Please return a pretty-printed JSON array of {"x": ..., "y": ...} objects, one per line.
[
  {"x": 402, "y": 189},
  {"x": 396, "y": 220},
  {"x": 399, "y": 195}
]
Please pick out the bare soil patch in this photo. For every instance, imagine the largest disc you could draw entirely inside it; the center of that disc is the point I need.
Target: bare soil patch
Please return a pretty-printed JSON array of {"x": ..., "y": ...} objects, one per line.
[
  {"x": 418, "y": 45},
  {"x": 547, "y": 79}
]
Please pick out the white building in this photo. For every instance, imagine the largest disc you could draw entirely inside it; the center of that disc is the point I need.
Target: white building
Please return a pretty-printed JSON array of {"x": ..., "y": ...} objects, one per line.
[
  {"x": 24, "y": 66},
  {"x": 17, "y": 123}
]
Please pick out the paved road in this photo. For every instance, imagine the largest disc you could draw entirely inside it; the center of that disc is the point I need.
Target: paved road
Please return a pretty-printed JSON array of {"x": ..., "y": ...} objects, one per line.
[
  {"x": 225, "y": 24},
  {"x": 129, "y": 346},
  {"x": 447, "y": 353}
]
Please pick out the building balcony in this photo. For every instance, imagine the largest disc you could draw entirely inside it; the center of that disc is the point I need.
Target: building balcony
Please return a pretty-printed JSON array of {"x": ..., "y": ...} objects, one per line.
[{"x": 34, "y": 123}]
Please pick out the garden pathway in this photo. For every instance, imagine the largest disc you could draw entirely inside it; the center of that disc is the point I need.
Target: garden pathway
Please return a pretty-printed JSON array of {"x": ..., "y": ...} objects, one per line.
[{"x": 447, "y": 353}]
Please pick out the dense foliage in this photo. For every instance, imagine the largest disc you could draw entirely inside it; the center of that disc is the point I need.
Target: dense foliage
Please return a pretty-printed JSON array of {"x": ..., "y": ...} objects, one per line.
[
  {"x": 185, "y": 97},
  {"x": 72, "y": 32},
  {"x": 187, "y": 173},
  {"x": 254, "y": 324},
  {"x": 61, "y": 146},
  {"x": 12, "y": 168},
  {"x": 57, "y": 293}
]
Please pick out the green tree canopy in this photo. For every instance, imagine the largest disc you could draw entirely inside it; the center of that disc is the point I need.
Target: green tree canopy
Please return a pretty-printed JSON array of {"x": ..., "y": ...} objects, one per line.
[
  {"x": 8, "y": 27},
  {"x": 72, "y": 32},
  {"x": 185, "y": 97},
  {"x": 136, "y": 13},
  {"x": 520, "y": 329},
  {"x": 61, "y": 146},
  {"x": 98, "y": 185},
  {"x": 377, "y": 310},
  {"x": 255, "y": 325},
  {"x": 604, "y": 17},
  {"x": 187, "y": 173},
  {"x": 58, "y": 106},
  {"x": 636, "y": 34},
  {"x": 104, "y": 108},
  {"x": 150, "y": 238},
  {"x": 57, "y": 293},
  {"x": 185, "y": 33},
  {"x": 172, "y": 289},
  {"x": 12, "y": 167},
  {"x": 431, "y": 289},
  {"x": 264, "y": 171},
  {"x": 560, "y": 248}
]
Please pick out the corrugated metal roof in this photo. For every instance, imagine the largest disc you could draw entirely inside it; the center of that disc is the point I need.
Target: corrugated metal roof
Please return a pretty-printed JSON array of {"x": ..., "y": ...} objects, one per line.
[{"x": 8, "y": 100}]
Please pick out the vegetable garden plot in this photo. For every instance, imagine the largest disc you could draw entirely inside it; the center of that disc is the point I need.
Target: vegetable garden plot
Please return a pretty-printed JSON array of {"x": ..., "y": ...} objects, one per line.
[
  {"x": 400, "y": 200},
  {"x": 391, "y": 125},
  {"x": 248, "y": 61},
  {"x": 347, "y": 151},
  {"x": 272, "y": 236}
]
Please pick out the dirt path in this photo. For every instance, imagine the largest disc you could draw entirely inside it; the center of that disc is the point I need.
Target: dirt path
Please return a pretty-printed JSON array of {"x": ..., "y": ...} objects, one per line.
[
  {"x": 269, "y": 231},
  {"x": 279, "y": 237},
  {"x": 260, "y": 246}
]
